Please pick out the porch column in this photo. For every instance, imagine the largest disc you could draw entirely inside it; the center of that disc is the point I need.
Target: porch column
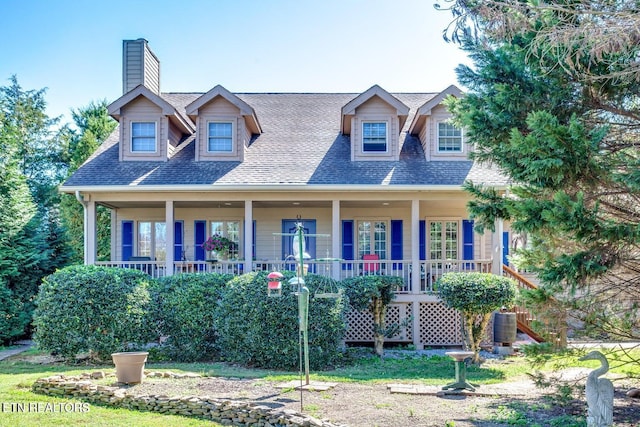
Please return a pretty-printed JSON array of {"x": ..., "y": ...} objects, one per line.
[
  {"x": 496, "y": 267},
  {"x": 415, "y": 246},
  {"x": 415, "y": 271},
  {"x": 248, "y": 235},
  {"x": 114, "y": 240},
  {"x": 335, "y": 238},
  {"x": 170, "y": 230},
  {"x": 90, "y": 232}
]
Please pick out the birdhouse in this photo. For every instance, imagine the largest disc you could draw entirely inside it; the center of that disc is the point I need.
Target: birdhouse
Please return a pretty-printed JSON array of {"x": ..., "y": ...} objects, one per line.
[{"x": 274, "y": 287}]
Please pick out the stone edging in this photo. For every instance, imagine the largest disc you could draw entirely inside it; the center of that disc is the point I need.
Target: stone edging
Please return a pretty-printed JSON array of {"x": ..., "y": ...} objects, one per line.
[{"x": 223, "y": 411}]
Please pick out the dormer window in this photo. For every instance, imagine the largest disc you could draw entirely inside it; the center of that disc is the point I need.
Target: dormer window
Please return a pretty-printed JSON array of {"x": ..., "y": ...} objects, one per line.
[
  {"x": 143, "y": 137},
  {"x": 220, "y": 137},
  {"x": 449, "y": 138},
  {"x": 374, "y": 137}
]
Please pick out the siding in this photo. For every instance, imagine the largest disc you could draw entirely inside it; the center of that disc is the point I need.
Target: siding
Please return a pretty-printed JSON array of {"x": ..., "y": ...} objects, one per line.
[{"x": 140, "y": 66}]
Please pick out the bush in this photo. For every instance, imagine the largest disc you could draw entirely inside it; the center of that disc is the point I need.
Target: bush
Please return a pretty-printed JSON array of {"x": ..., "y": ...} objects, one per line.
[
  {"x": 476, "y": 296},
  {"x": 92, "y": 309},
  {"x": 374, "y": 293},
  {"x": 183, "y": 310},
  {"x": 263, "y": 331}
]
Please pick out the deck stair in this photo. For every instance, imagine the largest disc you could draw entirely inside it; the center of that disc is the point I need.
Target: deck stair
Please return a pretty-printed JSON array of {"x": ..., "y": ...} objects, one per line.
[{"x": 547, "y": 330}]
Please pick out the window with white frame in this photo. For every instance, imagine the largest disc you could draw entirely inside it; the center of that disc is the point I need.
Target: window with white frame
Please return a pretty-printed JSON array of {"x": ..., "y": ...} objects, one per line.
[
  {"x": 449, "y": 138},
  {"x": 444, "y": 239},
  {"x": 152, "y": 240},
  {"x": 374, "y": 137},
  {"x": 372, "y": 238},
  {"x": 220, "y": 137},
  {"x": 143, "y": 137},
  {"x": 230, "y": 230}
]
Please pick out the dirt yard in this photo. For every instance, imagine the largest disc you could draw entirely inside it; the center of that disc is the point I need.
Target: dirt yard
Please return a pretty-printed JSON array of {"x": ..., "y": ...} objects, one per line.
[{"x": 358, "y": 405}]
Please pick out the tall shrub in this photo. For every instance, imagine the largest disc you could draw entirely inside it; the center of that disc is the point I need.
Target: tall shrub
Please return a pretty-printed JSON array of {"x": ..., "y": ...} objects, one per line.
[
  {"x": 374, "y": 293},
  {"x": 263, "y": 331},
  {"x": 476, "y": 296},
  {"x": 183, "y": 312},
  {"x": 100, "y": 310}
]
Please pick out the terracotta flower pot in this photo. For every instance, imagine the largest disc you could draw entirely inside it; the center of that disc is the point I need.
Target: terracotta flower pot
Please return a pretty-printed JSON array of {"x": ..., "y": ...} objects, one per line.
[{"x": 130, "y": 366}]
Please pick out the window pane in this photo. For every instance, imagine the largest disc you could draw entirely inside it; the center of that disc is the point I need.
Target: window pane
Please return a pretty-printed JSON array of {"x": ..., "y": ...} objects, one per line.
[
  {"x": 380, "y": 239},
  {"x": 364, "y": 238},
  {"x": 160, "y": 241},
  {"x": 230, "y": 230},
  {"x": 449, "y": 138},
  {"x": 144, "y": 239},
  {"x": 435, "y": 240},
  {"x": 220, "y": 137},
  {"x": 451, "y": 240},
  {"x": 374, "y": 137},
  {"x": 143, "y": 137}
]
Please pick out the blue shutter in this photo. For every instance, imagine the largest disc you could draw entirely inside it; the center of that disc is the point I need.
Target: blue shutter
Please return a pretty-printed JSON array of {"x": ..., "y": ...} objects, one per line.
[
  {"x": 178, "y": 240},
  {"x": 127, "y": 240},
  {"x": 200, "y": 236},
  {"x": 347, "y": 243},
  {"x": 423, "y": 240},
  {"x": 467, "y": 241},
  {"x": 396, "y": 242},
  {"x": 505, "y": 248}
]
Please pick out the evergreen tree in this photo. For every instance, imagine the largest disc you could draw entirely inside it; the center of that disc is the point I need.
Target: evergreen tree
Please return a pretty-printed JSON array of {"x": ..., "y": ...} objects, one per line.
[
  {"x": 556, "y": 110},
  {"x": 32, "y": 243},
  {"x": 22, "y": 252},
  {"x": 94, "y": 126}
]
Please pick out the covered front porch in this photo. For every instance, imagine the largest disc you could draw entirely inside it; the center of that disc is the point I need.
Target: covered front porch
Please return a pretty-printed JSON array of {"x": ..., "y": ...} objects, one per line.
[{"x": 417, "y": 235}]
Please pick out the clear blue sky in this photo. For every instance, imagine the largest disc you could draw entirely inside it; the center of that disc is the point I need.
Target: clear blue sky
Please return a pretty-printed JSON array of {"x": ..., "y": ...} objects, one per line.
[{"x": 74, "y": 47}]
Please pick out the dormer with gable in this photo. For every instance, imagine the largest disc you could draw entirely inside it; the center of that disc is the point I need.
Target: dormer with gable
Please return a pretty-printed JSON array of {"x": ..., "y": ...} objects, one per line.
[
  {"x": 224, "y": 125},
  {"x": 373, "y": 120},
  {"x": 150, "y": 127},
  {"x": 440, "y": 139}
]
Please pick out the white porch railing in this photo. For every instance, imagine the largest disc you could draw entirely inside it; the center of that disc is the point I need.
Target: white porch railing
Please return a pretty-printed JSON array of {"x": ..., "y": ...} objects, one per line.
[{"x": 430, "y": 271}]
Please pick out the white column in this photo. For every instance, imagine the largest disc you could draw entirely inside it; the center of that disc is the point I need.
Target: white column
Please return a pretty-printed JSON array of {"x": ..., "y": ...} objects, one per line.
[
  {"x": 496, "y": 267},
  {"x": 248, "y": 235},
  {"x": 415, "y": 271},
  {"x": 114, "y": 233},
  {"x": 415, "y": 246},
  {"x": 90, "y": 233},
  {"x": 335, "y": 238},
  {"x": 169, "y": 224}
]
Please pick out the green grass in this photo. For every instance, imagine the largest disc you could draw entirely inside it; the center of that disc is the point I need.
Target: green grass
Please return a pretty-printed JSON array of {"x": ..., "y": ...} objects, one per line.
[{"x": 16, "y": 378}]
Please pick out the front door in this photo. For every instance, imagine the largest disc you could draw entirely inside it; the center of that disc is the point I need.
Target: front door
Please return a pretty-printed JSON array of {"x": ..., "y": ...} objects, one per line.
[{"x": 289, "y": 227}]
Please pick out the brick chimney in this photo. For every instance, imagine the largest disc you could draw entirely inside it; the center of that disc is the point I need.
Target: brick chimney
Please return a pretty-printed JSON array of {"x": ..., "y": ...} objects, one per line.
[{"x": 139, "y": 66}]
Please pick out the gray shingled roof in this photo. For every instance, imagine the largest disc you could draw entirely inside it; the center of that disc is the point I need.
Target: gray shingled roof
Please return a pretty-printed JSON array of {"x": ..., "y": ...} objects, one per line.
[{"x": 301, "y": 143}]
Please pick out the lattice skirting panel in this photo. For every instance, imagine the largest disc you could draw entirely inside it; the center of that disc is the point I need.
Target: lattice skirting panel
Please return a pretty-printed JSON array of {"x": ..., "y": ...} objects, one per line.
[
  {"x": 360, "y": 324},
  {"x": 439, "y": 325}
]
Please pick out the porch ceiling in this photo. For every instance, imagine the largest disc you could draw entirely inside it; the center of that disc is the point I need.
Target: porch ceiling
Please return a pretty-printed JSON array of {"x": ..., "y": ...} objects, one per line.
[{"x": 257, "y": 204}]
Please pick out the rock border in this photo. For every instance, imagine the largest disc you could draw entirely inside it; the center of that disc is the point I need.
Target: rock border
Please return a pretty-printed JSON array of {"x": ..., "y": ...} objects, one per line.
[{"x": 224, "y": 411}]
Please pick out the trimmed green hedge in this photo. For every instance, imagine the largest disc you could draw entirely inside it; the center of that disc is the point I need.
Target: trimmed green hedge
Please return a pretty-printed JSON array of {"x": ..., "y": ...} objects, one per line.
[
  {"x": 92, "y": 309},
  {"x": 183, "y": 310},
  {"x": 262, "y": 331},
  {"x": 477, "y": 293}
]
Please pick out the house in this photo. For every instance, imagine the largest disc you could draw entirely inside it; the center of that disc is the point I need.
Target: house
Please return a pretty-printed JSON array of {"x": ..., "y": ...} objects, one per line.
[{"x": 374, "y": 177}]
